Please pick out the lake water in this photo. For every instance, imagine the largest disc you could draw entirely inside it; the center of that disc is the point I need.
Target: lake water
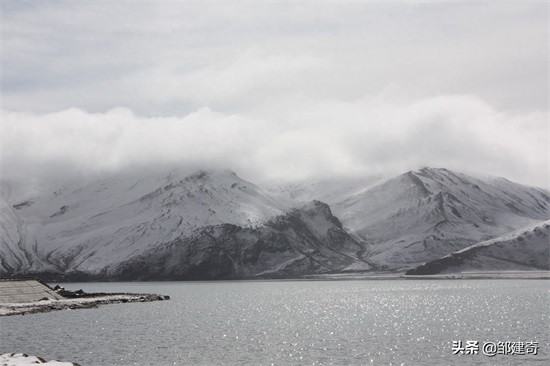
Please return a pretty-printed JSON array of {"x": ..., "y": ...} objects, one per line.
[{"x": 378, "y": 322}]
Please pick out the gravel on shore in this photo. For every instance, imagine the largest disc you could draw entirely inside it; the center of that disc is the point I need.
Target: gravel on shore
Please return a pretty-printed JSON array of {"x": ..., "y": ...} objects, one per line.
[{"x": 46, "y": 305}]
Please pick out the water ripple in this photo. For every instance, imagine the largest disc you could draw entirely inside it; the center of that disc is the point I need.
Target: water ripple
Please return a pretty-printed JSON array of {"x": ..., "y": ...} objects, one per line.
[{"x": 394, "y": 322}]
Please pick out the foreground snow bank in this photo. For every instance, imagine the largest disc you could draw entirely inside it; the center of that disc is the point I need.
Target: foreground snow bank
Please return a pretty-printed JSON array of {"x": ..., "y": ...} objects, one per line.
[
  {"x": 21, "y": 359},
  {"x": 78, "y": 303}
]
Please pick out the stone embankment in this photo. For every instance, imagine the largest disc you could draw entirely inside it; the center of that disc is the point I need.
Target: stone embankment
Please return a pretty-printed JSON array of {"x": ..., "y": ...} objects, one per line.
[{"x": 29, "y": 295}]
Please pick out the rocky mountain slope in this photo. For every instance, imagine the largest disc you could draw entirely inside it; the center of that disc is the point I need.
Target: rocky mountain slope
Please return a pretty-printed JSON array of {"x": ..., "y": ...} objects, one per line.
[
  {"x": 428, "y": 213},
  {"x": 525, "y": 249},
  {"x": 306, "y": 240},
  {"x": 214, "y": 224},
  {"x": 12, "y": 257},
  {"x": 93, "y": 230}
]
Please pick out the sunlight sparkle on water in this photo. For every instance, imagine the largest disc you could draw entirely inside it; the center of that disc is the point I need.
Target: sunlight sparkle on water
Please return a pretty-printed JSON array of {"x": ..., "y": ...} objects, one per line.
[{"x": 303, "y": 322}]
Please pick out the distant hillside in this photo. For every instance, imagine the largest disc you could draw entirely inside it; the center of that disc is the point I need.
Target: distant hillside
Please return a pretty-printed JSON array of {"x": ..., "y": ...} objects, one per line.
[
  {"x": 216, "y": 225},
  {"x": 425, "y": 214},
  {"x": 522, "y": 250}
]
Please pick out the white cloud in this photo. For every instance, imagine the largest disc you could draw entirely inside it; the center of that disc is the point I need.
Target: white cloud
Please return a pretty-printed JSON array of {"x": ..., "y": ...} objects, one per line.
[
  {"x": 169, "y": 58},
  {"x": 246, "y": 79},
  {"x": 307, "y": 138},
  {"x": 275, "y": 89}
]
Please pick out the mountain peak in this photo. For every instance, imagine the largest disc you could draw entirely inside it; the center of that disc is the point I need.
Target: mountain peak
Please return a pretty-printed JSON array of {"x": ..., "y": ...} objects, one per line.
[
  {"x": 230, "y": 172},
  {"x": 208, "y": 174},
  {"x": 399, "y": 222},
  {"x": 431, "y": 172},
  {"x": 199, "y": 175}
]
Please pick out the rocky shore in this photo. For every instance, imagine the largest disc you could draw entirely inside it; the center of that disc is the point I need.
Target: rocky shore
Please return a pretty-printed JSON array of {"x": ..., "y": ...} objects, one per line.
[
  {"x": 75, "y": 300},
  {"x": 15, "y": 359}
]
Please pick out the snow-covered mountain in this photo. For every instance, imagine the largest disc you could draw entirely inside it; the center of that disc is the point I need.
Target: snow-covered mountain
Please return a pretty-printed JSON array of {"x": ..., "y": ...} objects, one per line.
[
  {"x": 523, "y": 250},
  {"x": 425, "y": 214},
  {"x": 95, "y": 228},
  {"x": 306, "y": 240},
  {"x": 214, "y": 224},
  {"x": 12, "y": 257}
]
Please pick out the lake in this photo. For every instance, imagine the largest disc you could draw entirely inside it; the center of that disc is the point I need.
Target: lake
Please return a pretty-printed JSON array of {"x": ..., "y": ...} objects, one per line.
[{"x": 369, "y": 322}]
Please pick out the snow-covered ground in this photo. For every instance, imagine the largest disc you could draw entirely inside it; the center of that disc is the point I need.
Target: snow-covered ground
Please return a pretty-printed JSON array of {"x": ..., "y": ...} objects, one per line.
[
  {"x": 527, "y": 249},
  {"x": 105, "y": 222},
  {"x": 21, "y": 359},
  {"x": 397, "y": 222},
  {"x": 425, "y": 214},
  {"x": 79, "y": 303}
]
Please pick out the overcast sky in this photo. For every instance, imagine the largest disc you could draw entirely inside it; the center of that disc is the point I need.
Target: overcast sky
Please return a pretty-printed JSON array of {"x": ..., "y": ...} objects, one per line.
[{"x": 287, "y": 90}]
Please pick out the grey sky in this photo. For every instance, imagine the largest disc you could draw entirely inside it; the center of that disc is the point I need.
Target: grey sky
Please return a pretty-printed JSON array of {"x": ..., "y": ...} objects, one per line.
[{"x": 276, "y": 89}]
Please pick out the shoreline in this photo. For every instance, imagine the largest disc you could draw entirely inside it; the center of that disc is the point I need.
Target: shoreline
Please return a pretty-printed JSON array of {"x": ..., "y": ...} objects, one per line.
[
  {"x": 24, "y": 359},
  {"x": 90, "y": 300},
  {"x": 360, "y": 276},
  {"x": 509, "y": 275},
  {"x": 47, "y": 305}
]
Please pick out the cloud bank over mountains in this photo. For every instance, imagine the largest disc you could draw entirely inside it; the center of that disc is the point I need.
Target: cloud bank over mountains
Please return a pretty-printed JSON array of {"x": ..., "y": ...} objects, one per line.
[
  {"x": 274, "y": 89},
  {"x": 298, "y": 139}
]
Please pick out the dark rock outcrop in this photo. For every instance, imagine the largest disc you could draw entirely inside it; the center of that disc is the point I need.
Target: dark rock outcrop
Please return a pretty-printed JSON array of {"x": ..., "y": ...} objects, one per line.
[{"x": 305, "y": 241}]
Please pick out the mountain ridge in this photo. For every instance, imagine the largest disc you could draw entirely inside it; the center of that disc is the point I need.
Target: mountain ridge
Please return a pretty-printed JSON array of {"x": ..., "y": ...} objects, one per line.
[
  {"x": 427, "y": 213},
  {"x": 98, "y": 229},
  {"x": 524, "y": 249}
]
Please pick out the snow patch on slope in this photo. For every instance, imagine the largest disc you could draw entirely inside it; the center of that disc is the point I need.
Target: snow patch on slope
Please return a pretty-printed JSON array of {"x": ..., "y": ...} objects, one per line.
[
  {"x": 428, "y": 213},
  {"x": 107, "y": 221},
  {"x": 20, "y": 359},
  {"x": 524, "y": 249}
]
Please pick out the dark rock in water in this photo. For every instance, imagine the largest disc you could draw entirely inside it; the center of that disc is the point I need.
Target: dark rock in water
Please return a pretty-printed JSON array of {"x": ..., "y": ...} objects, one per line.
[{"x": 73, "y": 294}]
